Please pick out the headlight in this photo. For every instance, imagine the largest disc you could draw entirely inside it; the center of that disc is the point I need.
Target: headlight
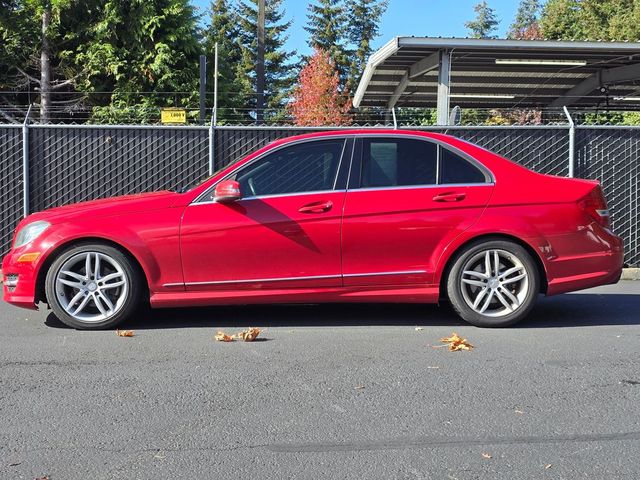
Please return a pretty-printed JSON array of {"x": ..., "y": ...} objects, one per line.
[{"x": 30, "y": 232}]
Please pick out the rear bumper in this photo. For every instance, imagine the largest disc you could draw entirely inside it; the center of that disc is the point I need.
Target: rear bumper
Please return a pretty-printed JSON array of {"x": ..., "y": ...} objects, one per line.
[
  {"x": 570, "y": 273},
  {"x": 19, "y": 282}
]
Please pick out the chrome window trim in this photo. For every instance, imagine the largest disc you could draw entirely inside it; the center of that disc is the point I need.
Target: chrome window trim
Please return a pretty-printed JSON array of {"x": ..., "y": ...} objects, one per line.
[
  {"x": 286, "y": 279},
  {"x": 487, "y": 173},
  {"x": 207, "y": 192},
  {"x": 420, "y": 187},
  {"x": 275, "y": 195}
]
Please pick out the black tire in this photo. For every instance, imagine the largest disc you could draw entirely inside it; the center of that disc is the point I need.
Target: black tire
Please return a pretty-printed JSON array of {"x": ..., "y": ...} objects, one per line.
[
  {"x": 130, "y": 300},
  {"x": 529, "y": 291}
]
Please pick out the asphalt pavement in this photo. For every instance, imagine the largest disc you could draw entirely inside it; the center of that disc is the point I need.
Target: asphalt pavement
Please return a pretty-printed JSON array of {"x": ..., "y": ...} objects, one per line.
[{"x": 331, "y": 391}]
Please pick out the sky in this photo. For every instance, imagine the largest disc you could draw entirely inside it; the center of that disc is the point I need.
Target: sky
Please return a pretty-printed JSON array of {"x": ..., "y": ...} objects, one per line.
[{"x": 423, "y": 18}]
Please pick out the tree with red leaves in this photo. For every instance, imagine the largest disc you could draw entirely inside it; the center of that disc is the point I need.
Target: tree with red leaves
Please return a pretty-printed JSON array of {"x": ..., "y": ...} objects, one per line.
[{"x": 317, "y": 99}]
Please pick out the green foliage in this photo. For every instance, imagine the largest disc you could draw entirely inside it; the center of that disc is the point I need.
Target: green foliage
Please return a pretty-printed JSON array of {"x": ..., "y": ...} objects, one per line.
[
  {"x": 142, "y": 46},
  {"x": 224, "y": 30},
  {"x": 279, "y": 71},
  {"x": 363, "y": 19},
  {"x": 527, "y": 18},
  {"x": 327, "y": 25},
  {"x": 485, "y": 22},
  {"x": 613, "y": 20}
]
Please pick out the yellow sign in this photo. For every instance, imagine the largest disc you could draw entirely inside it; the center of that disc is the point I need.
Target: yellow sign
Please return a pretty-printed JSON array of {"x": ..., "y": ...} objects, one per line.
[{"x": 173, "y": 115}]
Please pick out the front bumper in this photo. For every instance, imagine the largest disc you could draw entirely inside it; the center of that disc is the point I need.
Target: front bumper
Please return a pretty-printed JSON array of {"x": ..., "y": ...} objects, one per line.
[{"x": 19, "y": 281}]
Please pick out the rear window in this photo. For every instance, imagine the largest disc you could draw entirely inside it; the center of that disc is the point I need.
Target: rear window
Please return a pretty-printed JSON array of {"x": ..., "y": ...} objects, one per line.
[{"x": 398, "y": 162}]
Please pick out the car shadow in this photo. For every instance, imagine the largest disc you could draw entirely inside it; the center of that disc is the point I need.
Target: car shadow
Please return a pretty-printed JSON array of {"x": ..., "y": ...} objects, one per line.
[{"x": 568, "y": 310}]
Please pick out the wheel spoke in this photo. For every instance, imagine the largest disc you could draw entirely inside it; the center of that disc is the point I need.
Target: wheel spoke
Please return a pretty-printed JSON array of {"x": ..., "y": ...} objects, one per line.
[
  {"x": 71, "y": 274},
  {"x": 475, "y": 283},
  {"x": 83, "y": 304},
  {"x": 514, "y": 279},
  {"x": 487, "y": 263},
  {"x": 87, "y": 265},
  {"x": 99, "y": 305},
  {"x": 486, "y": 303},
  {"x": 77, "y": 285},
  {"x": 112, "y": 276},
  {"x": 97, "y": 267},
  {"x": 77, "y": 297},
  {"x": 496, "y": 261},
  {"x": 105, "y": 299},
  {"x": 514, "y": 300},
  {"x": 479, "y": 297},
  {"x": 113, "y": 285},
  {"x": 508, "y": 272},
  {"x": 503, "y": 300},
  {"x": 473, "y": 273}
]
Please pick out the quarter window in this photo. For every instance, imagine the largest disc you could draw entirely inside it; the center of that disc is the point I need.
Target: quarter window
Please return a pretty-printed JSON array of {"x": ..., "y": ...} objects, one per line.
[
  {"x": 455, "y": 169},
  {"x": 305, "y": 167}
]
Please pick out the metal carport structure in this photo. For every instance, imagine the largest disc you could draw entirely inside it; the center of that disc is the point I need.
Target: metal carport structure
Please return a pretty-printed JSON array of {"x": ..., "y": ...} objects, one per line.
[{"x": 500, "y": 73}]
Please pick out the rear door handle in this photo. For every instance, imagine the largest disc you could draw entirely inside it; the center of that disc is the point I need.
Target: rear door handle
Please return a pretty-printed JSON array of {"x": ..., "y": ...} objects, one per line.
[
  {"x": 449, "y": 197},
  {"x": 316, "y": 207}
]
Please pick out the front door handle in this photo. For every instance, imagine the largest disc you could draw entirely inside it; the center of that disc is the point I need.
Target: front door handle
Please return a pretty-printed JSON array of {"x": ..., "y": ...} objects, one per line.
[
  {"x": 316, "y": 207},
  {"x": 449, "y": 197}
]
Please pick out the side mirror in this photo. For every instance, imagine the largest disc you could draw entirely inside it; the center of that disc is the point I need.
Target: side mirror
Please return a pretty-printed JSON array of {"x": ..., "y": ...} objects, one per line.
[{"x": 227, "y": 191}]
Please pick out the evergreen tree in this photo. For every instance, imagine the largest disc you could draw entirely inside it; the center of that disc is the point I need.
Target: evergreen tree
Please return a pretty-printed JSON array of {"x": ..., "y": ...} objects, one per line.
[
  {"x": 224, "y": 30},
  {"x": 363, "y": 23},
  {"x": 317, "y": 98},
  {"x": 525, "y": 25},
  {"x": 142, "y": 46},
  {"x": 327, "y": 24},
  {"x": 39, "y": 39},
  {"x": 279, "y": 71},
  {"x": 612, "y": 20},
  {"x": 485, "y": 22}
]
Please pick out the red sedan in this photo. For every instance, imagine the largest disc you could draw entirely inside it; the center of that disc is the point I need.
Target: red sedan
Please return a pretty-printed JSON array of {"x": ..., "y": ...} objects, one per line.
[{"x": 346, "y": 216}]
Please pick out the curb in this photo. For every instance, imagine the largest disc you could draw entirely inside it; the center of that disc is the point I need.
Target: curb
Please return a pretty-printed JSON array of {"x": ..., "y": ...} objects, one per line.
[{"x": 630, "y": 274}]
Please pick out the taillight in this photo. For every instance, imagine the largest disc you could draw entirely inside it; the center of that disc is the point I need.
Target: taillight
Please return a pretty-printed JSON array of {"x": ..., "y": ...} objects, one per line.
[{"x": 596, "y": 206}]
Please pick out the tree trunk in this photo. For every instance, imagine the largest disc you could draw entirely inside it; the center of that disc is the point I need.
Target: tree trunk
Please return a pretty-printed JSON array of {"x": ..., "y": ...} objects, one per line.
[{"x": 45, "y": 66}]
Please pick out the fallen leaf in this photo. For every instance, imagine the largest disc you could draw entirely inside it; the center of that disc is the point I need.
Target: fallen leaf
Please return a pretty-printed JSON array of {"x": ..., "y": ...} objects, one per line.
[
  {"x": 419, "y": 329},
  {"x": 360, "y": 387},
  {"x": 223, "y": 337},
  {"x": 248, "y": 335},
  {"x": 519, "y": 412},
  {"x": 486, "y": 455},
  {"x": 456, "y": 343},
  {"x": 46, "y": 477},
  {"x": 547, "y": 466},
  {"x": 125, "y": 333}
]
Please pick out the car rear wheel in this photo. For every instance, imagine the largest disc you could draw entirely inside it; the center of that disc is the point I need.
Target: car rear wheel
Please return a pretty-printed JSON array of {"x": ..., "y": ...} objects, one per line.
[
  {"x": 493, "y": 283},
  {"x": 92, "y": 286}
]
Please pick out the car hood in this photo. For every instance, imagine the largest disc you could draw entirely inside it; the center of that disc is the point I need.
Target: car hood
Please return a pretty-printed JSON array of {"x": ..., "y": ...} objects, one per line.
[{"x": 108, "y": 207}]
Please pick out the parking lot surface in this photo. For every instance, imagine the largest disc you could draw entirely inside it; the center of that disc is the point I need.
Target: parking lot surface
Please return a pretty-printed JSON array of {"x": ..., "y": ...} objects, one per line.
[{"x": 330, "y": 391}]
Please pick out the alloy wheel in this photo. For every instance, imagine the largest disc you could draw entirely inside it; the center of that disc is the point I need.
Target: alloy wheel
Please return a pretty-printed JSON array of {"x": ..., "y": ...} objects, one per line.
[
  {"x": 494, "y": 283},
  {"x": 91, "y": 286}
]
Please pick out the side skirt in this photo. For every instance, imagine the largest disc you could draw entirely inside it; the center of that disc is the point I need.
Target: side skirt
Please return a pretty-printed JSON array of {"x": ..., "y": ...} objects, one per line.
[{"x": 390, "y": 294}]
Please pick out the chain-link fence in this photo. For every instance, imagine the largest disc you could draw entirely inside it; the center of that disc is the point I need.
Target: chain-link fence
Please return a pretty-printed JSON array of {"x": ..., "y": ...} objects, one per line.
[{"x": 75, "y": 163}]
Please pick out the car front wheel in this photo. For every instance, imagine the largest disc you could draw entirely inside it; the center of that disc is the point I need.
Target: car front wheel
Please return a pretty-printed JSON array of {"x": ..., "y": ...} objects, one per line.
[
  {"x": 493, "y": 283},
  {"x": 92, "y": 286}
]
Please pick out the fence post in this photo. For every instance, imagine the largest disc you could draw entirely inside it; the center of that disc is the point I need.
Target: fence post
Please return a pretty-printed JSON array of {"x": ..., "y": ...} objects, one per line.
[
  {"x": 212, "y": 163},
  {"x": 25, "y": 163},
  {"x": 572, "y": 142}
]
